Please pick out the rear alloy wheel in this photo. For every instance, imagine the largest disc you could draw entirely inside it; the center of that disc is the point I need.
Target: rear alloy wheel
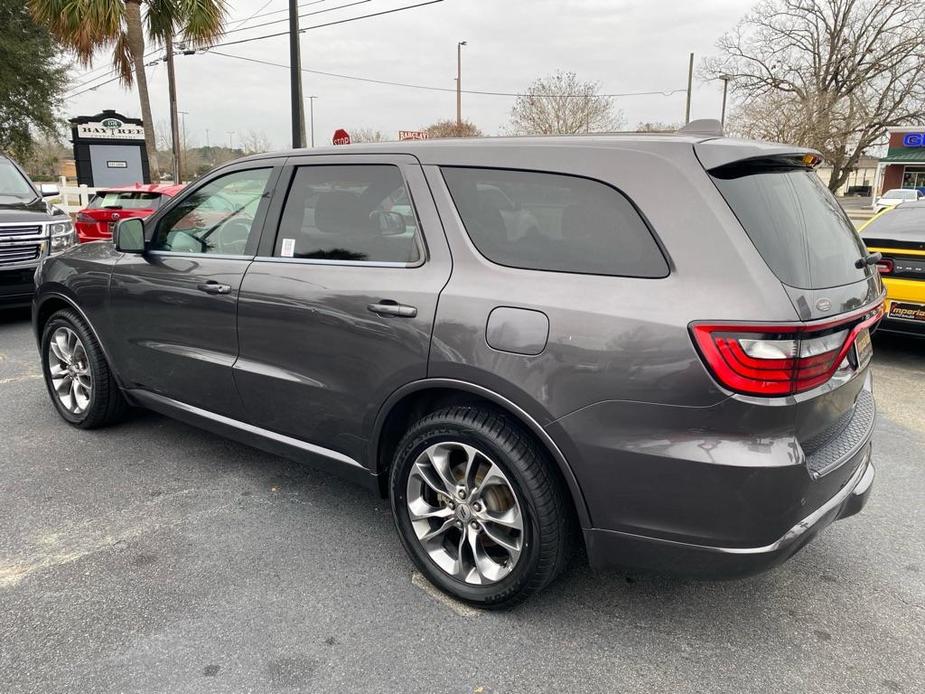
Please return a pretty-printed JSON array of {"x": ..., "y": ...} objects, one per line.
[
  {"x": 79, "y": 381},
  {"x": 478, "y": 507},
  {"x": 465, "y": 513}
]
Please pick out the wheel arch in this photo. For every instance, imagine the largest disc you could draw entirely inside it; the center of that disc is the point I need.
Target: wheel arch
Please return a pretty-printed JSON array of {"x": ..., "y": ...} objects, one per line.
[
  {"x": 50, "y": 303},
  {"x": 417, "y": 398}
]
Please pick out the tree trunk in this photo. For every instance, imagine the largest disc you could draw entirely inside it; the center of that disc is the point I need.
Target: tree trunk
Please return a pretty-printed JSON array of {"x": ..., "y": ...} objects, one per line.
[
  {"x": 839, "y": 176},
  {"x": 136, "y": 46}
]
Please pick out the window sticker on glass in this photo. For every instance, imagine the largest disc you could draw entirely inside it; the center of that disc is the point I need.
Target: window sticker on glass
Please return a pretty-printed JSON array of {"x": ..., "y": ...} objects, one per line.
[{"x": 288, "y": 248}]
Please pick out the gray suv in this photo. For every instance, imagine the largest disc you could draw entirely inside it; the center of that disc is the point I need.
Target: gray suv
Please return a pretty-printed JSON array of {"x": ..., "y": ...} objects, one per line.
[{"x": 657, "y": 344}]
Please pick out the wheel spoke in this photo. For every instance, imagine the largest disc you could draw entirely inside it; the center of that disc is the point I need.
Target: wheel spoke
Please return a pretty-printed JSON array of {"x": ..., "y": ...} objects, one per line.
[
  {"x": 58, "y": 345},
  {"x": 510, "y": 544},
  {"x": 509, "y": 519},
  {"x": 493, "y": 476},
  {"x": 439, "y": 457},
  {"x": 446, "y": 525},
  {"x": 424, "y": 473},
  {"x": 421, "y": 510}
]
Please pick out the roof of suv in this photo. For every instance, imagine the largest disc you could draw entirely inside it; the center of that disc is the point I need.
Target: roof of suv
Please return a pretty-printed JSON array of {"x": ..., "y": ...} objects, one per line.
[{"x": 713, "y": 151}]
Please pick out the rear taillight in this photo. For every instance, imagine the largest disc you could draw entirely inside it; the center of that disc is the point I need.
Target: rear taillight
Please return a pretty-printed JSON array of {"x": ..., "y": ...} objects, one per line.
[
  {"x": 779, "y": 358},
  {"x": 85, "y": 218},
  {"x": 885, "y": 266}
]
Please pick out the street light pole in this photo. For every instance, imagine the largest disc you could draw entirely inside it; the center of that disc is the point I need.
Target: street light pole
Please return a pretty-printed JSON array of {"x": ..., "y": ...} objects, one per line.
[
  {"x": 295, "y": 77},
  {"x": 459, "y": 46},
  {"x": 311, "y": 115},
  {"x": 690, "y": 82},
  {"x": 230, "y": 139}
]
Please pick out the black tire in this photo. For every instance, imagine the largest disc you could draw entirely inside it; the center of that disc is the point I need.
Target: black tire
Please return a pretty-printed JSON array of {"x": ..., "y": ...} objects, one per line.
[
  {"x": 106, "y": 405},
  {"x": 548, "y": 519}
]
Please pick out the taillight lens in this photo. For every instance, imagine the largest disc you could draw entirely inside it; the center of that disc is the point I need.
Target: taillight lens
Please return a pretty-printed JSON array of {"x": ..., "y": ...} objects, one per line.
[
  {"x": 779, "y": 359},
  {"x": 885, "y": 266},
  {"x": 85, "y": 218}
]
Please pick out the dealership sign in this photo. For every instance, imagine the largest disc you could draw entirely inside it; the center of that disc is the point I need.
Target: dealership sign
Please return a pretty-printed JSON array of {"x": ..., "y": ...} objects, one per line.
[
  {"x": 412, "y": 135},
  {"x": 110, "y": 129},
  {"x": 914, "y": 140}
]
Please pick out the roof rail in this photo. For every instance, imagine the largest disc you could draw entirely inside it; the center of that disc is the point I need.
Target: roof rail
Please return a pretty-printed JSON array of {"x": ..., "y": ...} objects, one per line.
[{"x": 703, "y": 126}]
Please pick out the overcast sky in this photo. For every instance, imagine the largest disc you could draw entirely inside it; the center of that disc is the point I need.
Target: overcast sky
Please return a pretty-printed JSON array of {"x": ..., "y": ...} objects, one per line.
[{"x": 625, "y": 45}]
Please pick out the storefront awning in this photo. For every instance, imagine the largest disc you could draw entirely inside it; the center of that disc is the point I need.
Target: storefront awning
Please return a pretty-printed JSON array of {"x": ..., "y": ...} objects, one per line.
[{"x": 904, "y": 156}]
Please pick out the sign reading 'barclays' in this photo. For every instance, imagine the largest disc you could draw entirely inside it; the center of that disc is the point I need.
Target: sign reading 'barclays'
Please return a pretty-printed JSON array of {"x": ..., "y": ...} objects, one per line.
[{"x": 914, "y": 140}]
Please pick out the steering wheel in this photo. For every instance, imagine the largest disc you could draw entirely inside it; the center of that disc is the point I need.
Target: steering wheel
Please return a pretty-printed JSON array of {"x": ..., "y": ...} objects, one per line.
[{"x": 231, "y": 238}]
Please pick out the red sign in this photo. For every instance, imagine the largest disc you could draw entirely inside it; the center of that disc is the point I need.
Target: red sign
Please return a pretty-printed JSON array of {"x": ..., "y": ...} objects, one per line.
[
  {"x": 341, "y": 137},
  {"x": 412, "y": 135}
]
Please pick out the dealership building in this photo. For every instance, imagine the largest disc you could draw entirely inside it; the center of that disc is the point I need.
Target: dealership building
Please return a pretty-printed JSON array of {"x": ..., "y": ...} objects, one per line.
[{"x": 904, "y": 163}]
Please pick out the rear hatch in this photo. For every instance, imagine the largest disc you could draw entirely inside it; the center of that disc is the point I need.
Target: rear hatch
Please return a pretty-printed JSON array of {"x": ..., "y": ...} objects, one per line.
[
  {"x": 108, "y": 207},
  {"x": 819, "y": 361},
  {"x": 899, "y": 236}
]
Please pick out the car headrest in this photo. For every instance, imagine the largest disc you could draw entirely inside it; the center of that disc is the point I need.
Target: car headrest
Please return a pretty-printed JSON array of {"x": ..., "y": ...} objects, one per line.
[{"x": 341, "y": 212}]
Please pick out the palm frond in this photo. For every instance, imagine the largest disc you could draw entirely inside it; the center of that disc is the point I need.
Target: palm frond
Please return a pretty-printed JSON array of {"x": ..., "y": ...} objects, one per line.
[
  {"x": 202, "y": 21},
  {"x": 122, "y": 60},
  {"x": 80, "y": 25}
]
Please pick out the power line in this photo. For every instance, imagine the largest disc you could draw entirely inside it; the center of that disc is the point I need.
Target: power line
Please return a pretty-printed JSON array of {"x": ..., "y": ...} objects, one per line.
[
  {"x": 434, "y": 88},
  {"x": 301, "y": 16},
  {"x": 268, "y": 14},
  {"x": 326, "y": 24}
]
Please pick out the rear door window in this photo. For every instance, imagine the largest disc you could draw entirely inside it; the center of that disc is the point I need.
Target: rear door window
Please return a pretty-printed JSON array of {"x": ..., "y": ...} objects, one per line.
[
  {"x": 352, "y": 213},
  {"x": 795, "y": 223},
  {"x": 547, "y": 221}
]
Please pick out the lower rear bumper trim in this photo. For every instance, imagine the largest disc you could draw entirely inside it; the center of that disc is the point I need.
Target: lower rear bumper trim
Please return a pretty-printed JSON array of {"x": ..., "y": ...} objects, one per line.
[{"x": 609, "y": 548}]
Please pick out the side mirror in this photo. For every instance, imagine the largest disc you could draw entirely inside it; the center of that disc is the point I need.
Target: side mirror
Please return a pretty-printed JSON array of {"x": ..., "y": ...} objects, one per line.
[
  {"x": 129, "y": 235},
  {"x": 49, "y": 190}
]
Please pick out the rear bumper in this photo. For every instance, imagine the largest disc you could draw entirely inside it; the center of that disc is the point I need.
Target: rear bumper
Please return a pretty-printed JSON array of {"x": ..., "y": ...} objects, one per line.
[
  {"x": 896, "y": 326},
  {"x": 609, "y": 548}
]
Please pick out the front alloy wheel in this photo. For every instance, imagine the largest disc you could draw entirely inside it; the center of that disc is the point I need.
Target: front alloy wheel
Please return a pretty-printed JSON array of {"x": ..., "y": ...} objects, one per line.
[{"x": 69, "y": 370}]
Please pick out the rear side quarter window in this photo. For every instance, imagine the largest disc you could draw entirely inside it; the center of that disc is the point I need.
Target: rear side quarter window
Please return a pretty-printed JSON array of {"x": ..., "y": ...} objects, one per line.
[{"x": 554, "y": 222}]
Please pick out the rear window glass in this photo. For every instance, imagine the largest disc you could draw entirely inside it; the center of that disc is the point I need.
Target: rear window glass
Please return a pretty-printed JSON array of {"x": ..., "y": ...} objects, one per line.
[
  {"x": 545, "y": 221},
  {"x": 126, "y": 200},
  {"x": 900, "y": 223},
  {"x": 795, "y": 223}
]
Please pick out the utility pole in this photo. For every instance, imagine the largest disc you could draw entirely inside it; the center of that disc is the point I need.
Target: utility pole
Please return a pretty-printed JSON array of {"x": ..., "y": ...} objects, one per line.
[
  {"x": 311, "y": 114},
  {"x": 690, "y": 81},
  {"x": 230, "y": 139},
  {"x": 725, "y": 79},
  {"x": 459, "y": 46},
  {"x": 174, "y": 124},
  {"x": 295, "y": 78}
]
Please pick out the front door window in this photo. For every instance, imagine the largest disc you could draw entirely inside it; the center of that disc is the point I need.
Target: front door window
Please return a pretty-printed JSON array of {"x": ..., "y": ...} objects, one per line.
[{"x": 215, "y": 219}]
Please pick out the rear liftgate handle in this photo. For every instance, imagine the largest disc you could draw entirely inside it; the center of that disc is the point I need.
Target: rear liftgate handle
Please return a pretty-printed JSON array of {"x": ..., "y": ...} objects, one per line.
[
  {"x": 387, "y": 307},
  {"x": 213, "y": 287}
]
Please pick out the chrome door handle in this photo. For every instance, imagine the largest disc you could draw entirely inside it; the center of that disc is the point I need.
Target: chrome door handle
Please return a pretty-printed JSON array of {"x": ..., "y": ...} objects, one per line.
[
  {"x": 214, "y": 288},
  {"x": 391, "y": 308}
]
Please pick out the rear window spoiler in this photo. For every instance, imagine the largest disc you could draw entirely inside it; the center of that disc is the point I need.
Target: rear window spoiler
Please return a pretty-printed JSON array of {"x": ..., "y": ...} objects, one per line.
[{"x": 719, "y": 152}]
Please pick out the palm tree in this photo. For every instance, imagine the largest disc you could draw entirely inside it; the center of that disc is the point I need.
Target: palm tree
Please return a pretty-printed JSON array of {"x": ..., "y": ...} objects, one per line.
[{"x": 88, "y": 26}]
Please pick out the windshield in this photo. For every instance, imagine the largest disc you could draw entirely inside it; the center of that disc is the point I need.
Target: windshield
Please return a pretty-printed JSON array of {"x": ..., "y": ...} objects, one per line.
[
  {"x": 901, "y": 194},
  {"x": 795, "y": 223},
  {"x": 13, "y": 184},
  {"x": 126, "y": 200}
]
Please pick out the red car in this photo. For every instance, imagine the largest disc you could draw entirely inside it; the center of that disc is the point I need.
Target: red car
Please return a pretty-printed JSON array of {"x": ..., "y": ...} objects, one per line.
[{"x": 99, "y": 218}]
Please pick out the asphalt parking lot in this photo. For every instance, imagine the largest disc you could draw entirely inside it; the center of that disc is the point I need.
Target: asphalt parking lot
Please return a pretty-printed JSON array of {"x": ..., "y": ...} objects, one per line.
[{"x": 156, "y": 557}]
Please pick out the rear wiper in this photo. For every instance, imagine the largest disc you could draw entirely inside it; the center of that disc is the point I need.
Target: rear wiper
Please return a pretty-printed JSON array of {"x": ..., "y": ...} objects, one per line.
[{"x": 871, "y": 259}]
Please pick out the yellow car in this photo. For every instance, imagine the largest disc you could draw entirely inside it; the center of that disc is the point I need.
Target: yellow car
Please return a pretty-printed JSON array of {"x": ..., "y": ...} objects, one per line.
[{"x": 898, "y": 233}]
